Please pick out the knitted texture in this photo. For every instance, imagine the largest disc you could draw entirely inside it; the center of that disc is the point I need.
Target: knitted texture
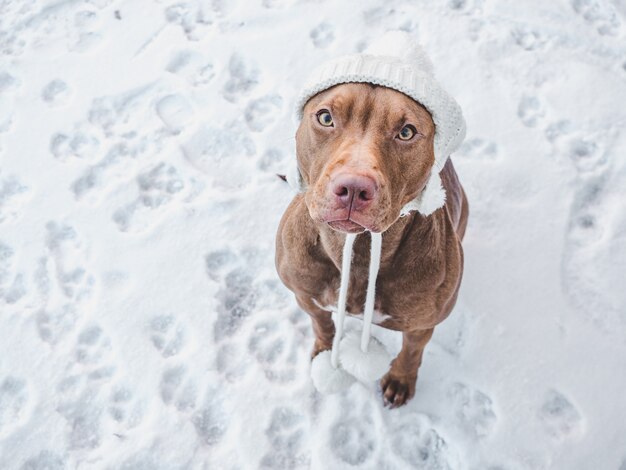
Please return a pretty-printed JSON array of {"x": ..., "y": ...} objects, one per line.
[{"x": 396, "y": 62}]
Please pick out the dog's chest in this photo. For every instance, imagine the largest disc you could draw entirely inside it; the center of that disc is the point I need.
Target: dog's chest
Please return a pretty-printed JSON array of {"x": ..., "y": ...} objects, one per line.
[
  {"x": 379, "y": 317},
  {"x": 383, "y": 315}
]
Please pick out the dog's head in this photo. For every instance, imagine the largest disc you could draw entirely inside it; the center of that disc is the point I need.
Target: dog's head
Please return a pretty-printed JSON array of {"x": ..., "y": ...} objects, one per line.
[{"x": 364, "y": 151}]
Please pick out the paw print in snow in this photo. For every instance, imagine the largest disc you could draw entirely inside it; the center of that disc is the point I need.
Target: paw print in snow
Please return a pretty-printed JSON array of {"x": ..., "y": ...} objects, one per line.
[
  {"x": 45, "y": 460},
  {"x": 194, "y": 20},
  {"x": 276, "y": 354},
  {"x": 244, "y": 75},
  {"x": 12, "y": 286},
  {"x": 157, "y": 188},
  {"x": 530, "y": 110},
  {"x": 352, "y": 437},
  {"x": 55, "y": 92},
  {"x": 192, "y": 66},
  {"x": 322, "y": 35},
  {"x": 68, "y": 254},
  {"x": 263, "y": 112},
  {"x": 177, "y": 389},
  {"x": 238, "y": 297},
  {"x": 93, "y": 351},
  {"x": 474, "y": 409},
  {"x": 167, "y": 336},
  {"x": 123, "y": 409},
  {"x": 211, "y": 421},
  {"x": 176, "y": 112},
  {"x": 421, "y": 446},
  {"x": 560, "y": 417},
  {"x": 599, "y": 14},
  {"x": 55, "y": 323},
  {"x": 80, "y": 144},
  {"x": 529, "y": 39},
  {"x": 13, "y": 195},
  {"x": 15, "y": 404},
  {"x": 287, "y": 433}
]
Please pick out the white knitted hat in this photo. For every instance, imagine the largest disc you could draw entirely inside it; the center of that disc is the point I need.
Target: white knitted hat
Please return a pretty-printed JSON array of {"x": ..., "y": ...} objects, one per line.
[{"x": 395, "y": 61}]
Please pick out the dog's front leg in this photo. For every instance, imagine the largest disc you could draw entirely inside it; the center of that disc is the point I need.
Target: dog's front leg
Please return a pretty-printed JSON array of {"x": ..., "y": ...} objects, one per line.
[
  {"x": 398, "y": 385},
  {"x": 323, "y": 325}
]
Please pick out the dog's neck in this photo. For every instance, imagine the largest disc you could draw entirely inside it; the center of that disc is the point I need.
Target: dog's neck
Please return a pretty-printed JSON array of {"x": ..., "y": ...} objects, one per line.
[{"x": 414, "y": 224}]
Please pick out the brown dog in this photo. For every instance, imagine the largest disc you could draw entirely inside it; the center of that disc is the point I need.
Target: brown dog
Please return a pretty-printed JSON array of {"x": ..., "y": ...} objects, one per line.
[{"x": 364, "y": 151}]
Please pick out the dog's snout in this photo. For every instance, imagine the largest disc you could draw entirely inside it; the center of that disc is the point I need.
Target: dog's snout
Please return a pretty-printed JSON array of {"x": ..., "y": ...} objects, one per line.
[{"x": 354, "y": 190}]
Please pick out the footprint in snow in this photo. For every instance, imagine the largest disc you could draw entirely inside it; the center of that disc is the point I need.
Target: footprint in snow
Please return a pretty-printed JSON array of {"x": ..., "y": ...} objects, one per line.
[
  {"x": 54, "y": 323},
  {"x": 44, "y": 460},
  {"x": 8, "y": 83},
  {"x": 84, "y": 416},
  {"x": 560, "y": 418},
  {"x": 588, "y": 153},
  {"x": 167, "y": 335},
  {"x": 232, "y": 361},
  {"x": 263, "y": 112},
  {"x": 473, "y": 410},
  {"x": 460, "y": 5},
  {"x": 63, "y": 282},
  {"x": 158, "y": 187},
  {"x": 275, "y": 350},
  {"x": 419, "y": 445},
  {"x": 68, "y": 255},
  {"x": 530, "y": 110},
  {"x": 277, "y": 3},
  {"x": 237, "y": 298},
  {"x": 478, "y": 149},
  {"x": 600, "y": 15},
  {"x": 558, "y": 129},
  {"x": 528, "y": 38},
  {"x": 83, "y": 145},
  {"x": 288, "y": 435},
  {"x": 219, "y": 262},
  {"x": 12, "y": 284},
  {"x": 176, "y": 112},
  {"x": 125, "y": 409},
  {"x": 220, "y": 153},
  {"x": 93, "y": 353},
  {"x": 191, "y": 66},
  {"x": 322, "y": 35},
  {"x": 177, "y": 389},
  {"x": 353, "y": 437},
  {"x": 237, "y": 295},
  {"x": 195, "y": 21},
  {"x": 55, "y": 92},
  {"x": 15, "y": 404},
  {"x": 244, "y": 75},
  {"x": 272, "y": 161},
  {"x": 592, "y": 241},
  {"x": 13, "y": 195},
  {"x": 211, "y": 420}
]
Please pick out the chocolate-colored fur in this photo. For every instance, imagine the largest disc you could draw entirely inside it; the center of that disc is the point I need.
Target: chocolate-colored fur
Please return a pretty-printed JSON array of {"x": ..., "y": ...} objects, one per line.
[{"x": 422, "y": 259}]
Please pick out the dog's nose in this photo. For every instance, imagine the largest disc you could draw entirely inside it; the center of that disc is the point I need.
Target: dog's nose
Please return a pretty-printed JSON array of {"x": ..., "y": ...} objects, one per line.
[{"x": 354, "y": 190}]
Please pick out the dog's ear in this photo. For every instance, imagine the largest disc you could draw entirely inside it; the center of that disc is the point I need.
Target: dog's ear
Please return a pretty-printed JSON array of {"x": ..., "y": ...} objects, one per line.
[{"x": 432, "y": 197}]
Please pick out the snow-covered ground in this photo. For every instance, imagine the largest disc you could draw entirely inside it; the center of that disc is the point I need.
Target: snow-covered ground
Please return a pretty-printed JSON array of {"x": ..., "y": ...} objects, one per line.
[{"x": 142, "y": 325}]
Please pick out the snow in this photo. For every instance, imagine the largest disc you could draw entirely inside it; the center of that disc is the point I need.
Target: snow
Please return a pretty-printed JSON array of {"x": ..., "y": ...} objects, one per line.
[{"x": 142, "y": 323}]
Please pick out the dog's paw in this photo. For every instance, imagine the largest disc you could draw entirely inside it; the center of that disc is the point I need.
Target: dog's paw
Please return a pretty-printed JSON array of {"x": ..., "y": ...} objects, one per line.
[
  {"x": 319, "y": 347},
  {"x": 397, "y": 390}
]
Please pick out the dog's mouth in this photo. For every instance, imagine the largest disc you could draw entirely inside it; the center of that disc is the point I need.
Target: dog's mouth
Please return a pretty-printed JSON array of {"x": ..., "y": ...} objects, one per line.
[{"x": 346, "y": 226}]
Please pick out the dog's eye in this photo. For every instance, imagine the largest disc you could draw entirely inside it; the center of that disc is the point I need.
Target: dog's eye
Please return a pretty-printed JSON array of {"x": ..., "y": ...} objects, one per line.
[
  {"x": 324, "y": 118},
  {"x": 407, "y": 132}
]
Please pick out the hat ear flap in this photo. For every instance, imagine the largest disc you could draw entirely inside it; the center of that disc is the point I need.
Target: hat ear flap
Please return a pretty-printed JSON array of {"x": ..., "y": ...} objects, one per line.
[
  {"x": 430, "y": 199},
  {"x": 294, "y": 177}
]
